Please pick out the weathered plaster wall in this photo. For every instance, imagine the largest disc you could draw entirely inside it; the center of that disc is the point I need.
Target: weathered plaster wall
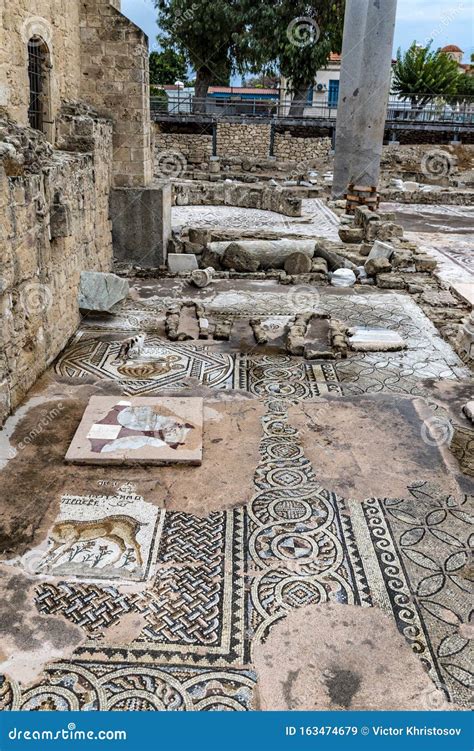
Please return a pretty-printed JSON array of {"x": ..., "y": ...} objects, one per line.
[{"x": 54, "y": 208}]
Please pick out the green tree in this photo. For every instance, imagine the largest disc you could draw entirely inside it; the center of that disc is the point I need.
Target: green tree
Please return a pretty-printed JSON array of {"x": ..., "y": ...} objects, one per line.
[
  {"x": 465, "y": 87},
  {"x": 167, "y": 66},
  {"x": 421, "y": 74},
  {"x": 294, "y": 36},
  {"x": 206, "y": 34}
]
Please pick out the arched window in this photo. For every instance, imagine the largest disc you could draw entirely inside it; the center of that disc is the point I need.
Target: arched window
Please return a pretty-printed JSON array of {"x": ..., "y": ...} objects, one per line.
[{"x": 38, "y": 73}]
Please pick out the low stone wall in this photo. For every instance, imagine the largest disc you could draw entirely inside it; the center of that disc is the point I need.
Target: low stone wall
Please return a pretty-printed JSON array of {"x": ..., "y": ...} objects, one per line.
[
  {"x": 194, "y": 193},
  {"x": 54, "y": 208},
  {"x": 289, "y": 148},
  {"x": 180, "y": 150},
  {"x": 238, "y": 139},
  {"x": 241, "y": 146}
]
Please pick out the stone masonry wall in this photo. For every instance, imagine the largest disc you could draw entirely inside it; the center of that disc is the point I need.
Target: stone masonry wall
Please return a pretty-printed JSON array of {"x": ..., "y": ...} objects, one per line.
[
  {"x": 95, "y": 54},
  {"x": 53, "y": 224},
  {"x": 233, "y": 140},
  {"x": 238, "y": 139},
  {"x": 288, "y": 148},
  {"x": 57, "y": 22},
  {"x": 175, "y": 151},
  {"x": 115, "y": 80}
]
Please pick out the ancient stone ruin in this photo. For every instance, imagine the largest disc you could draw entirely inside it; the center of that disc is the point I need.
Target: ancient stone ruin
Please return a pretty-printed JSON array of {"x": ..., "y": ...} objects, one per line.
[{"x": 236, "y": 400}]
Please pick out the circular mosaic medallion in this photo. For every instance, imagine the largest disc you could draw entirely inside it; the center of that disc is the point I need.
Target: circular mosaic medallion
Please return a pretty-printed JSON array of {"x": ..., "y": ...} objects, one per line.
[
  {"x": 286, "y": 477},
  {"x": 290, "y": 510},
  {"x": 294, "y": 547},
  {"x": 279, "y": 450}
]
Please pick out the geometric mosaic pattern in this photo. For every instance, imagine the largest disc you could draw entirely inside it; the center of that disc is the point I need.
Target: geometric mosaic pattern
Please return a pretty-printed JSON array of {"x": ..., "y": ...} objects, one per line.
[
  {"x": 221, "y": 582},
  {"x": 424, "y": 548},
  {"x": 196, "y": 601},
  {"x": 300, "y": 538},
  {"x": 164, "y": 364},
  {"x": 161, "y": 364},
  {"x": 98, "y": 686}
]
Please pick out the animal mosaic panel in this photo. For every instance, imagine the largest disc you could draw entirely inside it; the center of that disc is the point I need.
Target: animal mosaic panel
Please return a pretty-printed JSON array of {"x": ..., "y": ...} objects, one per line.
[
  {"x": 194, "y": 610},
  {"x": 100, "y": 537}
]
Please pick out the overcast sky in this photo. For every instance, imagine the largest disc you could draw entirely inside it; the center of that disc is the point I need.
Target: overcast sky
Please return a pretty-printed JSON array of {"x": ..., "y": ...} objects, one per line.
[{"x": 444, "y": 21}]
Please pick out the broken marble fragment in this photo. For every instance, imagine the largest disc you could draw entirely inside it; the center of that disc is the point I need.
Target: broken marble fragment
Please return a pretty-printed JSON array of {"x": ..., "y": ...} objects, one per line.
[
  {"x": 367, "y": 339},
  {"x": 381, "y": 250},
  {"x": 343, "y": 278},
  {"x": 182, "y": 262},
  {"x": 100, "y": 291}
]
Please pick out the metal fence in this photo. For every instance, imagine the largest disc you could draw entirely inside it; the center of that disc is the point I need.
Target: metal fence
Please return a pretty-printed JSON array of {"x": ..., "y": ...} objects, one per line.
[{"x": 433, "y": 110}]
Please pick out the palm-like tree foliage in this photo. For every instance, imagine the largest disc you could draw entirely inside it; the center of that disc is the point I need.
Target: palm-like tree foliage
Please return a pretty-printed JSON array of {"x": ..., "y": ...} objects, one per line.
[{"x": 422, "y": 74}]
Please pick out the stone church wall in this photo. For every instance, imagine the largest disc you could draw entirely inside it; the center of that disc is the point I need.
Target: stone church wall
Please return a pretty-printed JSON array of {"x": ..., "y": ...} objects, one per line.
[
  {"x": 115, "y": 80},
  {"x": 57, "y": 22},
  {"x": 53, "y": 224}
]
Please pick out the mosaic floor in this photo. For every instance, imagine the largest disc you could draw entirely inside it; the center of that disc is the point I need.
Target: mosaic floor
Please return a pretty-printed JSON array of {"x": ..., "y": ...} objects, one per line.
[
  {"x": 166, "y": 364},
  {"x": 216, "y": 585},
  {"x": 316, "y": 219},
  {"x": 445, "y": 232}
]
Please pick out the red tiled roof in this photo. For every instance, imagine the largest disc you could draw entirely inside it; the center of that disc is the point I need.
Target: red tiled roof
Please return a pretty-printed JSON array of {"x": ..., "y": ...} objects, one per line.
[
  {"x": 451, "y": 48},
  {"x": 240, "y": 90},
  {"x": 334, "y": 57}
]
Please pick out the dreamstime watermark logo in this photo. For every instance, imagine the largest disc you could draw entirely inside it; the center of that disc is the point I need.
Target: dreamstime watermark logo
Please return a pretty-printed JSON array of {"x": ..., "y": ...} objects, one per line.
[
  {"x": 171, "y": 164},
  {"x": 303, "y": 31},
  {"x": 437, "y": 431},
  {"x": 303, "y": 298},
  {"x": 187, "y": 15},
  {"x": 36, "y": 298},
  {"x": 437, "y": 163},
  {"x": 70, "y": 733},
  {"x": 39, "y": 428}
]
